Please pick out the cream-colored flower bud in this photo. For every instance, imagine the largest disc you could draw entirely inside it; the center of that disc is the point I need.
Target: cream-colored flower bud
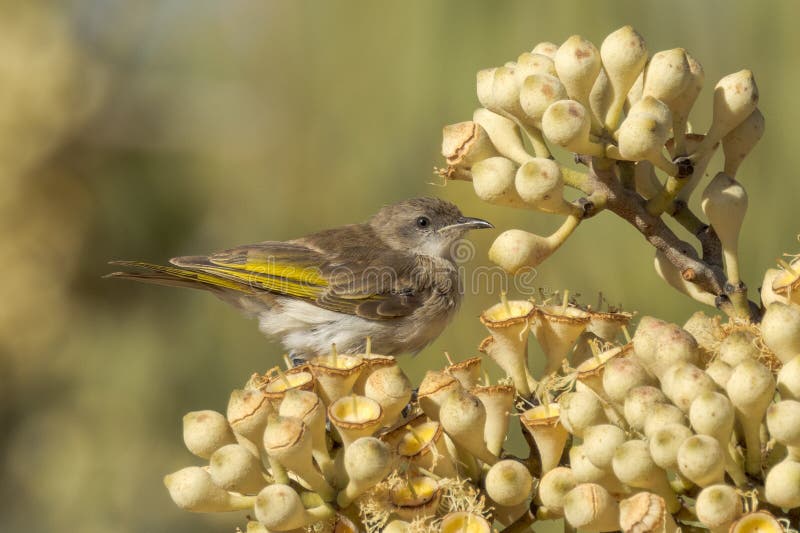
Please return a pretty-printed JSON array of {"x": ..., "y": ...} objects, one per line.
[
  {"x": 391, "y": 388},
  {"x": 288, "y": 441},
  {"x": 585, "y": 472},
  {"x": 533, "y": 64},
  {"x": 515, "y": 249},
  {"x": 638, "y": 404},
  {"x": 546, "y": 48},
  {"x": 567, "y": 124},
  {"x": 735, "y": 98},
  {"x": 493, "y": 181},
  {"x": 537, "y": 93},
  {"x": 498, "y": 400},
  {"x": 508, "y": 483},
  {"x": 463, "y": 417},
  {"x": 509, "y": 322},
  {"x": 192, "y": 489},
  {"x": 669, "y": 273},
  {"x": 783, "y": 422},
  {"x": 712, "y": 414},
  {"x": 706, "y": 331},
  {"x": 717, "y": 507},
  {"x": 664, "y": 444},
  {"x": 702, "y": 461},
  {"x": 623, "y": 374},
  {"x": 465, "y": 144},
  {"x": 782, "y": 486},
  {"x": 335, "y": 374},
  {"x": 355, "y": 417},
  {"x": 683, "y": 382},
  {"x": 435, "y": 388},
  {"x": 738, "y": 347},
  {"x": 554, "y": 486},
  {"x": 234, "y": 468},
  {"x": 467, "y": 372},
  {"x": 659, "y": 345},
  {"x": 590, "y": 508},
  {"x": 505, "y": 93},
  {"x": 367, "y": 461},
  {"x": 504, "y": 134},
  {"x": 719, "y": 372},
  {"x": 757, "y": 522},
  {"x": 248, "y": 412},
  {"x": 738, "y": 143},
  {"x": 645, "y": 512},
  {"x": 544, "y": 425},
  {"x": 600, "y": 442},
  {"x": 780, "y": 329},
  {"x": 633, "y": 466},
  {"x": 205, "y": 432},
  {"x": 667, "y": 75},
  {"x": 682, "y": 105},
  {"x": 642, "y": 136},
  {"x": 724, "y": 202},
  {"x": 789, "y": 379},
  {"x": 624, "y": 55},
  {"x": 484, "y": 81},
  {"x": 280, "y": 508},
  {"x": 464, "y": 522},
  {"x": 580, "y": 410},
  {"x": 750, "y": 390},
  {"x": 556, "y": 328},
  {"x": 577, "y": 63},
  {"x": 663, "y": 414},
  {"x": 308, "y": 407},
  {"x": 540, "y": 185}
]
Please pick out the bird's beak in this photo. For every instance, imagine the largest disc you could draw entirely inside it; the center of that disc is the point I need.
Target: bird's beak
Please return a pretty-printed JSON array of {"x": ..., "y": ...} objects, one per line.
[{"x": 468, "y": 223}]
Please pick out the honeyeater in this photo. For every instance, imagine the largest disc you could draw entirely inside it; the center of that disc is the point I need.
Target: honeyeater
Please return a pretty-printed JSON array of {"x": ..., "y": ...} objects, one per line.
[{"x": 392, "y": 279}]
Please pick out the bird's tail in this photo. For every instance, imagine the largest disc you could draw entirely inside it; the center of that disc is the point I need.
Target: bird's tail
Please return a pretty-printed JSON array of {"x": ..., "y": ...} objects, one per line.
[{"x": 173, "y": 276}]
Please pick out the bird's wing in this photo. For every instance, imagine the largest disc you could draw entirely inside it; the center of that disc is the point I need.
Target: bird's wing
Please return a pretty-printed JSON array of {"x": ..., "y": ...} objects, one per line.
[{"x": 376, "y": 287}]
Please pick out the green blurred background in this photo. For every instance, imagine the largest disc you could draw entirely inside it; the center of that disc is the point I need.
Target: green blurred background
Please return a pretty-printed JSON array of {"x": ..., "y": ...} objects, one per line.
[{"x": 150, "y": 129}]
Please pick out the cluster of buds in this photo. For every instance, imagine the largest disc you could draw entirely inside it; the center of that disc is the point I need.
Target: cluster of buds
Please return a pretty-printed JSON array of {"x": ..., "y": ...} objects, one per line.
[
  {"x": 625, "y": 117},
  {"x": 675, "y": 426}
]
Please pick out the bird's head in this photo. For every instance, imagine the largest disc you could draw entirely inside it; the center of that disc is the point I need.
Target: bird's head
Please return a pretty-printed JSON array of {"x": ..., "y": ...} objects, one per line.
[{"x": 427, "y": 226}]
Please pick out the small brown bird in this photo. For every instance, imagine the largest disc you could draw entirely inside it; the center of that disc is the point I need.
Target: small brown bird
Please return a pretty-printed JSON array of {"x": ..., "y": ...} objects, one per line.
[{"x": 392, "y": 279}]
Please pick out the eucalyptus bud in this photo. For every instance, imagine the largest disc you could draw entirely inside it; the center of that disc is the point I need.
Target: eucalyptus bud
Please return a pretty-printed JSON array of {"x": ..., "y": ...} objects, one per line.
[
  {"x": 633, "y": 466},
  {"x": 533, "y": 64},
  {"x": 234, "y": 468},
  {"x": 738, "y": 143},
  {"x": 718, "y": 506},
  {"x": 750, "y": 389},
  {"x": 546, "y": 48},
  {"x": 789, "y": 379},
  {"x": 780, "y": 329},
  {"x": 724, "y": 202},
  {"x": 589, "y": 507},
  {"x": 537, "y": 93},
  {"x": 577, "y": 63},
  {"x": 580, "y": 410},
  {"x": 248, "y": 412},
  {"x": 516, "y": 249},
  {"x": 667, "y": 75},
  {"x": 391, "y": 388},
  {"x": 465, "y": 144},
  {"x": 624, "y": 56},
  {"x": 280, "y": 508},
  {"x": 435, "y": 388},
  {"x": 735, "y": 98},
  {"x": 540, "y": 185},
  {"x": 504, "y": 134},
  {"x": 463, "y": 417},
  {"x": 508, "y": 483},
  {"x": 367, "y": 461},
  {"x": 683, "y": 104},
  {"x": 498, "y": 400},
  {"x": 554, "y": 486},
  {"x": 782, "y": 486},
  {"x": 701, "y": 460},
  {"x": 204, "y": 432},
  {"x": 567, "y": 124},
  {"x": 192, "y": 489}
]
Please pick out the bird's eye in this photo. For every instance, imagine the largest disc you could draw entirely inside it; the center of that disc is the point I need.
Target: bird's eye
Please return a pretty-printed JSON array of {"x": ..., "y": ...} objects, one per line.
[{"x": 423, "y": 222}]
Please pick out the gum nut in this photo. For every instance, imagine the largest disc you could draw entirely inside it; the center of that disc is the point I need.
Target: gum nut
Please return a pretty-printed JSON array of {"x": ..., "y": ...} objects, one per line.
[
  {"x": 508, "y": 483},
  {"x": 780, "y": 329},
  {"x": 782, "y": 486},
  {"x": 683, "y": 382},
  {"x": 665, "y": 443},
  {"x": 204, "y": 432},
  {"x": 621, "y": 375}
]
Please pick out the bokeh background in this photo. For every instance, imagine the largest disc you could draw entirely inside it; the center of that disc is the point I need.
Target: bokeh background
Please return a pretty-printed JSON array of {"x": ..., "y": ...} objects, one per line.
[{"x": 156, "y": 128}]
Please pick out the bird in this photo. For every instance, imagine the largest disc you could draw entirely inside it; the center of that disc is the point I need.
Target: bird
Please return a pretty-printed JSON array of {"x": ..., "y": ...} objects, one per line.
[{"x": 391, "y": 282}]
